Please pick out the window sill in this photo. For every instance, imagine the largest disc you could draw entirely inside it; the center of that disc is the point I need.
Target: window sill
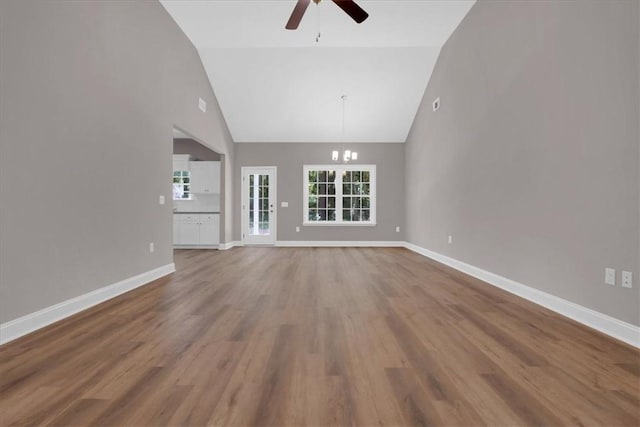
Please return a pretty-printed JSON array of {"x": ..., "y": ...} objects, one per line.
[{"x": 338, "y": 224}]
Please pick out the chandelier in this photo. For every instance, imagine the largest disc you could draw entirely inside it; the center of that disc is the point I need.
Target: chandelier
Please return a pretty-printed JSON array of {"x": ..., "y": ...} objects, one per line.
[{"x": 347, "y": 155}]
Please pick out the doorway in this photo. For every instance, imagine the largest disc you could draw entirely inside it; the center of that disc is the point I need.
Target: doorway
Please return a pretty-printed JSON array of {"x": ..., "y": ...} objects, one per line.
[
  {"x": 198, "y": 193},
  {"x": 259, "y": 205}
]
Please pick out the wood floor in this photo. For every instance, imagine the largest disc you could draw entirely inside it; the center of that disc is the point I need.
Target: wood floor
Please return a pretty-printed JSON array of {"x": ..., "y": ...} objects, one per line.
[{"x": 318, "y": 336}]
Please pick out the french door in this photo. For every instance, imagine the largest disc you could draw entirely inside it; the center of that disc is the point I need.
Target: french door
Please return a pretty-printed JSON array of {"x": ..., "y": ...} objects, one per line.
[{"x": 259, "y": 205}]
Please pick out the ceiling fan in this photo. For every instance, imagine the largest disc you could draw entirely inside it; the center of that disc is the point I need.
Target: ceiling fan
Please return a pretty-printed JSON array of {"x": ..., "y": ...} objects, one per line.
[{"x": 349, "y": 6}]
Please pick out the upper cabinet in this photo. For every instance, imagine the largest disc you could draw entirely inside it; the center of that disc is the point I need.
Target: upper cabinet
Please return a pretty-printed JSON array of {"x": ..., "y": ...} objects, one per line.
[{"x": 205, "y": 177}]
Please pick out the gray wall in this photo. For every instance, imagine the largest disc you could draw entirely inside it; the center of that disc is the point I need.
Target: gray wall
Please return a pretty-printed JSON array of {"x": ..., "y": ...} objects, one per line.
[
  {"x": 90, "y": 93},
  {"x": 199, "y": 151},
  {"x": 532, "y": 161},
  {"x": 290, "y": 158}
]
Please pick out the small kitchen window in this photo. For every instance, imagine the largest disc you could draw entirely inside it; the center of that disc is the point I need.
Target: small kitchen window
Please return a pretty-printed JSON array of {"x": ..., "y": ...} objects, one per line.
[{"x": 181, "y": 185}]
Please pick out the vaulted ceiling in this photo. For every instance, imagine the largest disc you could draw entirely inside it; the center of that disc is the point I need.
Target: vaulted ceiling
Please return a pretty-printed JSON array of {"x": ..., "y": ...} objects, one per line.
[{"x": 277, "y": 85}]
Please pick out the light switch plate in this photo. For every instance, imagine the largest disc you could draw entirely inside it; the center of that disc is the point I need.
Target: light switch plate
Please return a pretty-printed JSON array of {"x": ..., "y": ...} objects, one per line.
[
  {"x": 161, "y": 200},
  {"x": 610, "y": 276},
  {"x": 284, "y": 204}
]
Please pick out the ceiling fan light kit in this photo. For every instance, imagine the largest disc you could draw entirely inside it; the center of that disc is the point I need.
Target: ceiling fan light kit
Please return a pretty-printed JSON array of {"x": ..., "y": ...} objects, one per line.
[{"x": 348, "y": 6}]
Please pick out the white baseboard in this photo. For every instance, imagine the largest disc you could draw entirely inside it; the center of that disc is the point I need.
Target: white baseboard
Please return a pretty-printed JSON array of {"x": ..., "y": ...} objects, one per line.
[
  {"x": 339, "y": 244},
  {"x": 41, "y": 318},
  {"x": 229, "y": 245},
  {"x": 609, "y": 325}
]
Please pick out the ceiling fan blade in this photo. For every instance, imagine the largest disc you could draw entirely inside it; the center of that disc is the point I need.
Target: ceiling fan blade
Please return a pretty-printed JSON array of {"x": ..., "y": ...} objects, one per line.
[
  {"x": 352, "y": 9},
  {"x": 297, "y": 14}
]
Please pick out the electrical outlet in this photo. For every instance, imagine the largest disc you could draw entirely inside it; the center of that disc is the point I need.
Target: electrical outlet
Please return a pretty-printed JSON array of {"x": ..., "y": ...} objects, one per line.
[
  {"x": 297, "y": 229},
  {"x": 397, "y": 229},
  {"x": 151, "y": 247},
  {"x": 161, "y": 200},
  {"x": 610, "y": 276},
  {"x": 284, "y": 204},
  {"x": 627, "y": 279},
  {"x": 450, "y": 239},
  {"x": 202, "y": 105}
]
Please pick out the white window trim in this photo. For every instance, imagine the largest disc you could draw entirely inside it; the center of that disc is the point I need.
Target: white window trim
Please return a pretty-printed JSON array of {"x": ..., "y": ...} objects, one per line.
[{"x": 339, "y": 169}]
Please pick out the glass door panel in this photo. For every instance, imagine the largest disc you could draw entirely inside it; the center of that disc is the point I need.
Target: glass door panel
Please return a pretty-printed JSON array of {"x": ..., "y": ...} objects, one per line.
[{"x": 258, "y": 207}]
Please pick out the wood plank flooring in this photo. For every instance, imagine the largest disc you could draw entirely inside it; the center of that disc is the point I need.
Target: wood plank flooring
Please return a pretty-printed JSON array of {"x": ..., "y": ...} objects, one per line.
[{"x": 318, "y": 337}]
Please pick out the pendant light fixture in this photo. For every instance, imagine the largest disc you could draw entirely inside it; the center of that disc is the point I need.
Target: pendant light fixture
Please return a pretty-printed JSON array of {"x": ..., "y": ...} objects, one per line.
[{"x": 347, "y": 155}]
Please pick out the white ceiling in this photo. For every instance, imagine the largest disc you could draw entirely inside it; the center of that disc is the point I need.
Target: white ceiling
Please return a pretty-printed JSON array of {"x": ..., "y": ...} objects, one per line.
[{"x": 275, "y": 85}]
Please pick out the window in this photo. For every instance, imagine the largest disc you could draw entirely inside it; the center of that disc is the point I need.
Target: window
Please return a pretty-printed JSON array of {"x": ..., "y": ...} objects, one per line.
[
  {"x": 339, "y": 195},
  {"x": 181, "y": 185}
]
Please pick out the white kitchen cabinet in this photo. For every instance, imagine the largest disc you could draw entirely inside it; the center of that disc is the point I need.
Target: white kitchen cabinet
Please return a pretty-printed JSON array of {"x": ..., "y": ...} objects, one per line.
[
  {"x": 190, "y": 229},
  {"x": 196, "y": 229},
  {"x": 209, "y": 229},
  {"x": 205, "y": 177}
]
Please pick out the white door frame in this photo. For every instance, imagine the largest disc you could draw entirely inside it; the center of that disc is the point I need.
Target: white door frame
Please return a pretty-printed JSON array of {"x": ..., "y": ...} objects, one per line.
[{"x": 273, "y": 217}]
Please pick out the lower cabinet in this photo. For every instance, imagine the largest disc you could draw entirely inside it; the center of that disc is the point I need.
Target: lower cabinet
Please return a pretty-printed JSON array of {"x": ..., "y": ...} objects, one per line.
[
  {"x": 196, "y": 229},
  {"x": 189, "y": 229},
  {"x": 209, "y": 229}
]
